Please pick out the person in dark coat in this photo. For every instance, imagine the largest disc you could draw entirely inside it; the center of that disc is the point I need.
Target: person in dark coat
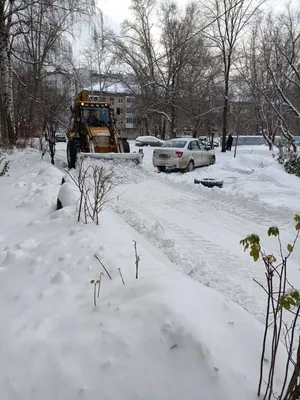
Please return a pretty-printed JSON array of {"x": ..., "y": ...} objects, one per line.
[
  {"x": 126, "y": 146},
  {"x": 229, "y": 142}
]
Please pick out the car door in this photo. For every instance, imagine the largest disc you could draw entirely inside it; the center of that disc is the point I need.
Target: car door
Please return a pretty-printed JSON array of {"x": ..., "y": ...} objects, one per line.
[
  {"x": 151, "y": 141},
  {"x": 196, "y": 152},
  {"x": 205, "y": 154}
]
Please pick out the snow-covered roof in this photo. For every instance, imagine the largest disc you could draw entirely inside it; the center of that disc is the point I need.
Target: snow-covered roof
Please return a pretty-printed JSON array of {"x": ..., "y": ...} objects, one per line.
[{"x": 110, "y": 87}]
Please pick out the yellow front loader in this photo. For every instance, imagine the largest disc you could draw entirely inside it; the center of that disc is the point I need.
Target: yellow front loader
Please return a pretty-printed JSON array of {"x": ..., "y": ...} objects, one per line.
[{"x": 93, "y": 133}]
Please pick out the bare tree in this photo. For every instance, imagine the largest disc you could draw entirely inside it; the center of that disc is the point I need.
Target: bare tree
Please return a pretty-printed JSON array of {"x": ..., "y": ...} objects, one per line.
[
  {"x": 137, "y": 52},
  {"x": 101, "y": 60},
  {"x": 231, "y": 18},
  {"x": 163, "y": 64},
  {"x": 55, "y": 103},
  {"x": 39, "y": 25},
  {"x": 256, "y": 82},
  {"x": 281, "y": 49}
]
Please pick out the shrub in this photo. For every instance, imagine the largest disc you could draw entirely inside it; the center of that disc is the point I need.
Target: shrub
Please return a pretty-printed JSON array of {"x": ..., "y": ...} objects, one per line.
[
  {"x": 284, "y": 150},
  {"x": 282, "y": 316},
  {"x": 95, "y": 184},
  {"x": 292, "y": 164}
]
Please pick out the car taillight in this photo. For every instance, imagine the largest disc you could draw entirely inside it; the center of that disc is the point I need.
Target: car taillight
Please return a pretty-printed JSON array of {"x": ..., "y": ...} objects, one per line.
[{"x": 179, "y": 154}]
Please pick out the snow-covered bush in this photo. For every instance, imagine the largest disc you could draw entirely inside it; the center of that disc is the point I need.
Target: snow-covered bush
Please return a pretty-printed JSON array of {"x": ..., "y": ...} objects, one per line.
[
  {"x": 284, "y": 150},
  {"x": 95, "y": 183},
  {"x": 292, "y": 164},
  {"x": 287, "y": 157}
]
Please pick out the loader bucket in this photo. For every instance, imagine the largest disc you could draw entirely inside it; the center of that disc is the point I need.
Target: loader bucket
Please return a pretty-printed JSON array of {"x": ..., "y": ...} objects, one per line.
[{"x": 135, "y": 157}]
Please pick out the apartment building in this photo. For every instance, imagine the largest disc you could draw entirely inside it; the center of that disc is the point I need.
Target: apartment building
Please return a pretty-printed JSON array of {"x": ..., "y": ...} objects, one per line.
[
  {"x": 123, "y": 105},
  {"x": 62, "y": 80}
]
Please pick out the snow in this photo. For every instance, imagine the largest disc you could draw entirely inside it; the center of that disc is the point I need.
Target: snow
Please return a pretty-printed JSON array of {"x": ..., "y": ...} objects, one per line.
[
  {"x": 110, "y": 87},
  {"x": 166, "y": 335},
  {"x": 148, "y": 138},
  {"x": 254, "y": 174}
]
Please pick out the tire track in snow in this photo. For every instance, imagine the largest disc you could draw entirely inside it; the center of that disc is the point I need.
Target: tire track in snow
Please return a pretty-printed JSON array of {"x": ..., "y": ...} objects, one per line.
[
  {"x": 195, "y": 255},
  {"x": 247, "y": 207},
  {"x": 201, "y": 238}
]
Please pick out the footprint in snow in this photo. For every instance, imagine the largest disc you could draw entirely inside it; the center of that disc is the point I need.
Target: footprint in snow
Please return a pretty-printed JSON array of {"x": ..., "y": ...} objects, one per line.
[{"x": 59, "y": 278}]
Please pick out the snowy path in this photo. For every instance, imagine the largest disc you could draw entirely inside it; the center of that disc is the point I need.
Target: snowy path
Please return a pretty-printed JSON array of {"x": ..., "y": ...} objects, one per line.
[{"x": 201, "y": 238}]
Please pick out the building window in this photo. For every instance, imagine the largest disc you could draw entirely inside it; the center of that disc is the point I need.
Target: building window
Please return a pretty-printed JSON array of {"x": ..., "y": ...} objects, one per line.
[
  {"x": 130, "y": 100},
  {"x": 112, "y": 100},
  {"x": 120, "y": 101},
  {"x": 131, "y": 111},
  {"x": 121, "y": 111},
  {"x": 130, "y": 120}
]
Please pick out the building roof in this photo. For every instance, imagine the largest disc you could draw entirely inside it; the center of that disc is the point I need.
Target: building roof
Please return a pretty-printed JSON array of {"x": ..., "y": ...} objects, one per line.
[{"x": 109, "y": 87}]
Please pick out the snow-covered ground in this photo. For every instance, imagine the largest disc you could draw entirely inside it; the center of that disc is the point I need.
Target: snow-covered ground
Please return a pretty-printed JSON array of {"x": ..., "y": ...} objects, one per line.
[
  {"x": 163, "y": 336},
  {"x": 199, "y": 229}
]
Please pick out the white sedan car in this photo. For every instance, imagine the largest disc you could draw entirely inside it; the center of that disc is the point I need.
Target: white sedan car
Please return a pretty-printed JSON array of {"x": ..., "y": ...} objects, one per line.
[{"x": 183, "y": 154}]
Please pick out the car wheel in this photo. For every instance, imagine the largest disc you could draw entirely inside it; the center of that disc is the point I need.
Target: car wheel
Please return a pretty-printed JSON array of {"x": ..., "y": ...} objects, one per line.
[
  {"x": 190, "y": 167},
  {"x": 213, "y": 160},
  {"x": 71, "y": 154},
  {"x": 161, "y": 169}
]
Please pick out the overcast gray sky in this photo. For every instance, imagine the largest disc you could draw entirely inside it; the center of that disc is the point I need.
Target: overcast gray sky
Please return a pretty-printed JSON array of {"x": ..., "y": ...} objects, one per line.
[{"x": 115, "y": 11}]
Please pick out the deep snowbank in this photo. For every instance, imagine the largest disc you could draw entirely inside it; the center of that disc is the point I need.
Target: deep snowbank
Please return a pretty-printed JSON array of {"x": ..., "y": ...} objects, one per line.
[{"x": 163, "y": 336}]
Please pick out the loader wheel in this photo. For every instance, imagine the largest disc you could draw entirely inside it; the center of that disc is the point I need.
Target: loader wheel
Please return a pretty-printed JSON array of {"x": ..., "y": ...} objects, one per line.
[
  {"x": 71, "y": 154},
  {"x": 161, "y": 169}
]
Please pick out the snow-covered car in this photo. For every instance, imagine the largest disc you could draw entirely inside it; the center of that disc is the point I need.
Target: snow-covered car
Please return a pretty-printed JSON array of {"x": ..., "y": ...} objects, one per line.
[
  {"x": 207, "y": 142},
  {"x": 148, "y": 141},
  {"x": 183, "y": 154},
  {"x": 60, "y": 137}
]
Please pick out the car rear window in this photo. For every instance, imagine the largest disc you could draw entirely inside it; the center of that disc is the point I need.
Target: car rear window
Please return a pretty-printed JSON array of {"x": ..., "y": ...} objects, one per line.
[{"x": 179, "y": 144}]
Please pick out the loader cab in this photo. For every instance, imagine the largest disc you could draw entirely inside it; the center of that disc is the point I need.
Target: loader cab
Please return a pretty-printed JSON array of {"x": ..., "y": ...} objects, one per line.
[{"x": 95, "y": 114}]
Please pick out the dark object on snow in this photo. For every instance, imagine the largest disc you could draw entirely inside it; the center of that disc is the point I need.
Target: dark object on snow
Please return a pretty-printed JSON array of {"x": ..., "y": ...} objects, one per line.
[
  {"x": 229, "y": 142},
  {"x": 71, "y": 153},
  {"x": 126, "y": 146},
  {"x": 58, "y": 205},
  {"x": 209, "y": 183}
]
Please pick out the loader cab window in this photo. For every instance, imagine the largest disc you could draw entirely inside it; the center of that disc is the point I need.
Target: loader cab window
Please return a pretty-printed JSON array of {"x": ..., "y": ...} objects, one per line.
[{"x": 96, "y": 116}]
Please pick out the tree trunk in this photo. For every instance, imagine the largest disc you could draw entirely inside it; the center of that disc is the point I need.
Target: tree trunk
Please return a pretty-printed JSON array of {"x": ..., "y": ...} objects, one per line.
[
  {"x": 6, "y": 109},
  {"x": 270, "y": 146},
  {"x": 172, "y": 123},
  {"x": 146, "y": 125},
  {"x": 225, "y": 111}
]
